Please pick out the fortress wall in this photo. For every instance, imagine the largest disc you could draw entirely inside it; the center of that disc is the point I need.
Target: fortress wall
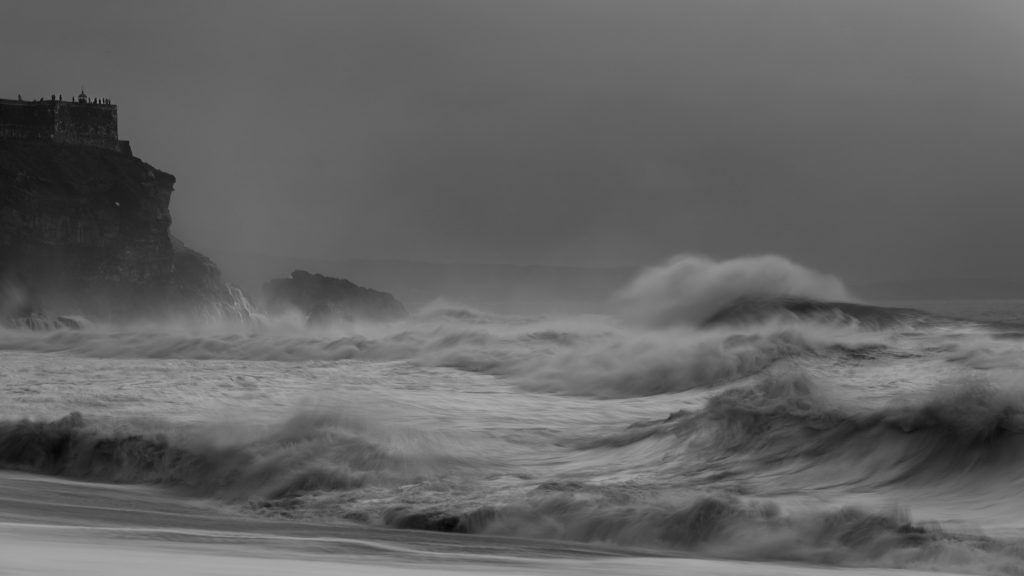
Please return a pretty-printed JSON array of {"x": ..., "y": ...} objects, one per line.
[
  {"x": 26, "y": 120},
  {"x": 87, "y": 124},
  {"x": 60, "y": 121}
]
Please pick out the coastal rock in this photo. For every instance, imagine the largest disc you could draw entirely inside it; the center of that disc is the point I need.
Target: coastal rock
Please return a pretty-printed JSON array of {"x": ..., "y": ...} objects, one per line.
[
  {"x": 323, "y": 299},
  {"x": 85, "y": 231}
]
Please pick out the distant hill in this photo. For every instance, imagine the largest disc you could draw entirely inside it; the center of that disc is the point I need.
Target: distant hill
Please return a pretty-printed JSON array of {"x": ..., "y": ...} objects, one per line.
[
  {"x": 549, "y": 289},
  {"x": 941, "y": 289},
  {"x": 499, "y": 287}
]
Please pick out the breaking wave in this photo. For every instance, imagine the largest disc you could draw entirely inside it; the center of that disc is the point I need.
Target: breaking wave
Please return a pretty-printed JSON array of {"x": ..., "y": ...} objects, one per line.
[
  {"x": 955, "y": 436},
  {"x": 320, "y": 450},
  {"x": 317, "y": 462},
  {"x": 745, "y": 409},
  {"x": 691, "y": 289}
]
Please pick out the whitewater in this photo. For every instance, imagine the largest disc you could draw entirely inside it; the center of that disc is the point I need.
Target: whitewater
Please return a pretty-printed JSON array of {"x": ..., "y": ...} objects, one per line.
[{"x": 747, "y": 410}]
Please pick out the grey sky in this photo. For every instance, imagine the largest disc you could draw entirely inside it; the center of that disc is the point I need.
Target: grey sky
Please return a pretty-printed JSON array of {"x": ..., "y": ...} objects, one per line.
[{"x": 865, "y": 138}]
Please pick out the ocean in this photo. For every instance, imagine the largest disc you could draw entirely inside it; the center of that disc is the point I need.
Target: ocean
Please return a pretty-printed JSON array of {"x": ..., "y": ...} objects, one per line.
[{"x": 779, "y": 431}]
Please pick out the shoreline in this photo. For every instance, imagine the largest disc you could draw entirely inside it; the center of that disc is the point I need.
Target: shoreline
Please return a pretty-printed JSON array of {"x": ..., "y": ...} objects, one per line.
[{"x": 114, "y": 529}]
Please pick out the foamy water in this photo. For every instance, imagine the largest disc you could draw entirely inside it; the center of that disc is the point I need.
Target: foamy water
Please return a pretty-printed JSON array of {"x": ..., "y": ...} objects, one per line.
[{"x": 841, "y": 435}]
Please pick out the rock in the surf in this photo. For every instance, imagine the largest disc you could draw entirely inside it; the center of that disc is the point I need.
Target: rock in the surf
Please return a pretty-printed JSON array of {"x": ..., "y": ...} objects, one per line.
[{"x": 323, "y": 299}]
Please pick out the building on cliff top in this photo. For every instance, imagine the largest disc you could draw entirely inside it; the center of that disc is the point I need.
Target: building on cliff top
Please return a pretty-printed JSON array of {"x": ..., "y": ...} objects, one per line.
[{"x": 84, "y": 121}]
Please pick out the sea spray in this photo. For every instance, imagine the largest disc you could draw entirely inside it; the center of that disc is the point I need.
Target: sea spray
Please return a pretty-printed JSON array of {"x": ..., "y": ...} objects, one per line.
[
  {"x": 736, "y": 422},
  {"x": 689, "y": 289}
]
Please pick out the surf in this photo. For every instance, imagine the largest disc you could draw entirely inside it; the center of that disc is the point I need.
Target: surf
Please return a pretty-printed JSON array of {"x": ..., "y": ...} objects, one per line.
[{"x": 749, "y": 409}]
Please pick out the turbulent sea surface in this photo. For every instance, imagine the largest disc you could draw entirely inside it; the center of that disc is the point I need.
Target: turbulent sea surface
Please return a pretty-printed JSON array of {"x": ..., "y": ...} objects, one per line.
[{"x": 720, "y": 422}]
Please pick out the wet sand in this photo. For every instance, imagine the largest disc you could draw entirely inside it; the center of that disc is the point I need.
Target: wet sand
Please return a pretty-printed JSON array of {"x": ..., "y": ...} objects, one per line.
[{"x": 54, "y": 526}]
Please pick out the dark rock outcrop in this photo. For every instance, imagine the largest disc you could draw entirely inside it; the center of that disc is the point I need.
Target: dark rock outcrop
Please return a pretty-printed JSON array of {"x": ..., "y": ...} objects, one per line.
[
  {"x": 84, "y": 230},
  {"x": 324, "y": 299}
]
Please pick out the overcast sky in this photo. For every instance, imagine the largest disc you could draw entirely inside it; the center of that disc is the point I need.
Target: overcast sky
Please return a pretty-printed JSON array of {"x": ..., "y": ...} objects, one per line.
[{"x": 864, "y": 138}]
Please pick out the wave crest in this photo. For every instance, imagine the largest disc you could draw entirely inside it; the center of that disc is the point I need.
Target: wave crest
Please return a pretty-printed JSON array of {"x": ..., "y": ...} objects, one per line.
[
  {"x": 961, "y": 432},
  {"x": 307, "y": 452},
  {"x": 688, "y": 290}
]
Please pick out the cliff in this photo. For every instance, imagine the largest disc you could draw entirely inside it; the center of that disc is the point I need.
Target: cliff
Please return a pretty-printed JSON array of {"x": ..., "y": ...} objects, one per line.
[
  {"x": 323, "y": 299},
  {"x": 86, "y": 230}
]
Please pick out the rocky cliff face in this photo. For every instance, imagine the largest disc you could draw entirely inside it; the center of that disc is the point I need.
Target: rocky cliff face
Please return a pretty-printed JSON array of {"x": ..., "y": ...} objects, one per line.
[
  {"x": 85, "y": 231},
  {"x": 323, "y": 299}
]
